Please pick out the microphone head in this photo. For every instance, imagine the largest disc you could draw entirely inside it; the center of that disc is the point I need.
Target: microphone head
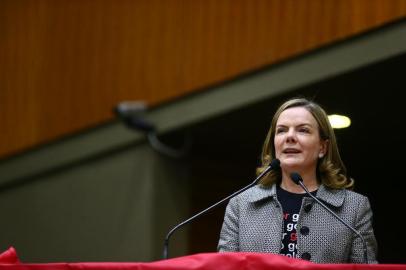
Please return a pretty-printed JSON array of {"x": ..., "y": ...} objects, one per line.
[
  {"x": 296, "y": 178},
  {"x": 131, "y": 112},
  {"x": 275, "y": 164},
  {"x": 130, "y": 108}
]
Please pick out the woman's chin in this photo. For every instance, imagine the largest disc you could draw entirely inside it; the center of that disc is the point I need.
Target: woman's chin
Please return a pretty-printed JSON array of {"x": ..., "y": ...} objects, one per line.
[
  {"x": 292, "y": 167},
  {"x": 291, "y": 162}
]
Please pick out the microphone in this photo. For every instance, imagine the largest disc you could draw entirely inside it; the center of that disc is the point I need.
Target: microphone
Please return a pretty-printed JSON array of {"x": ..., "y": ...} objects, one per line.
[
  {"x": 131, "y": 112},
  {"x": 297, "y": 179},
  {"x": 272, "y": 166}
]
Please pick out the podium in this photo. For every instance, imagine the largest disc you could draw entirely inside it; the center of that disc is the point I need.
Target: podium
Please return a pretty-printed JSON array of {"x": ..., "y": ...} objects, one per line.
[{"x": 202, "y": 261}]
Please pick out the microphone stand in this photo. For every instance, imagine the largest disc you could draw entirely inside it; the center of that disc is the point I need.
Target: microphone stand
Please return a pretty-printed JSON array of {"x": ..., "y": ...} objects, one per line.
[
  {"x": 298, "y": 180},
  {"x": 274, "y": 164}
]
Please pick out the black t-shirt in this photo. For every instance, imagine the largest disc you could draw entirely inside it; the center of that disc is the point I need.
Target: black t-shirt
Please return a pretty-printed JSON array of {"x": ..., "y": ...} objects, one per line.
[{"x": 291, "y": 203}]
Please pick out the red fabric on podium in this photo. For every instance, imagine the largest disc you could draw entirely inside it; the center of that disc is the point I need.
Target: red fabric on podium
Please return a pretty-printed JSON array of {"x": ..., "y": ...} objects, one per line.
[
  {"x": 9, "y": 256},
  {"x": 202, "y": 261}
]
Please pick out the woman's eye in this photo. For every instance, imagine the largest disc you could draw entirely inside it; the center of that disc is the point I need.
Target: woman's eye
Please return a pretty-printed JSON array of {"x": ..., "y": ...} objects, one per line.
[{"x": 304, "y": 130}]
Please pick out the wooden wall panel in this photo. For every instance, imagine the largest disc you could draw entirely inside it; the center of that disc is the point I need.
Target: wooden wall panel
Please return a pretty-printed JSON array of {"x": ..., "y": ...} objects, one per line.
[{"x": 65, "y": 64}]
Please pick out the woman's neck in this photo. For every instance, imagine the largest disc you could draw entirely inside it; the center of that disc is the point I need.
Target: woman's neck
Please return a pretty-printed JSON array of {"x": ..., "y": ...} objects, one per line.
[{"x": 309, "y": 180}]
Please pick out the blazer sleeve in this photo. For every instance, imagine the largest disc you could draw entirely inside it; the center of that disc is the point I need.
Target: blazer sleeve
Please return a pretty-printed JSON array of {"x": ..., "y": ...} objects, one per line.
[
  {"x": 364, "y": 226},
  {"x": 229, "y": 238}
]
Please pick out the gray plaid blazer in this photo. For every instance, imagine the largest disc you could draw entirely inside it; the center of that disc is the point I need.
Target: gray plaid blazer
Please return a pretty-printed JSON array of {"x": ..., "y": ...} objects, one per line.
[{"x": 253, "y": 223}]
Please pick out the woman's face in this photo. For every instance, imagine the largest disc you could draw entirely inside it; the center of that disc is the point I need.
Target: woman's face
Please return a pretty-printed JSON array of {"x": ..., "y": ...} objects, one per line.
[{"x": 297, "y": 140}]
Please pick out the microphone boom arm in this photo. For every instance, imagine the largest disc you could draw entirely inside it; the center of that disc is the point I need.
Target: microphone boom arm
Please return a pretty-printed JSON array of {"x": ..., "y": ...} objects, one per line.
[
  {"x": 340, "y": 219},
  {"x": 166, "y": 242}
]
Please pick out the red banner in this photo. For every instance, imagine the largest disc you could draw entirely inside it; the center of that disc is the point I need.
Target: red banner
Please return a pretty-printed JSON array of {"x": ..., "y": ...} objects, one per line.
[{"x": 203, "y": 261}]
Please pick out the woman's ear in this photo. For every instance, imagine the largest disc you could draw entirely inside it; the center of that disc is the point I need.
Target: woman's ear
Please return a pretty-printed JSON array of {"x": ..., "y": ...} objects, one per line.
[{"x": 323, "y": 148}]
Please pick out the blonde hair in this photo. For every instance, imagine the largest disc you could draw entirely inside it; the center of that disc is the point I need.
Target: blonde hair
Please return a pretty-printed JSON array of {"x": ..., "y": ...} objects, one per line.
[{"x": 331, "y": 171}]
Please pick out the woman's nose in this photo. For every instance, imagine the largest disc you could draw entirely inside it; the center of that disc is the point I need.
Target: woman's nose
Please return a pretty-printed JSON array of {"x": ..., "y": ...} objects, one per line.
[{"x": 290, "y": 135}]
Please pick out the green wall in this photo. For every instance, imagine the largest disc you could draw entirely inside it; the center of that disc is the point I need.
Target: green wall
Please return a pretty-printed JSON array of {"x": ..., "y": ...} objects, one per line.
[{"x": 114, "y": 207}]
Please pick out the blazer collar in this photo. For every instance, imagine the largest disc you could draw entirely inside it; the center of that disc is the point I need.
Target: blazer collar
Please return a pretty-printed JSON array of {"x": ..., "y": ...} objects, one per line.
[
  {"x": 334, "y": 197},
  {"x": 260, "y": 193}
]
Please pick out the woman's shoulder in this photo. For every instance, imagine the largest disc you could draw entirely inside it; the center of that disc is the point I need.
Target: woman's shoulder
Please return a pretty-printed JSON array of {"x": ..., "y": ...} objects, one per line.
[
  {"x": 338, "y": 197},
  {"x": 343, "y": 191},
  {"x": 356, "y": 196}
]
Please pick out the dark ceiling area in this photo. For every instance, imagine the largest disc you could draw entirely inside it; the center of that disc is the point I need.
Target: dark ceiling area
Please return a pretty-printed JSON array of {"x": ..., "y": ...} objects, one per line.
[
  {"x": 369, "y": 96},
  {"x": 229, "y": 146}
]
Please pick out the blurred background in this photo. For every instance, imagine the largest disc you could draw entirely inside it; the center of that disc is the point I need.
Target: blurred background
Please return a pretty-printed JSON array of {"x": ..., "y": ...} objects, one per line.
[{"x": 76, "y": 184}]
